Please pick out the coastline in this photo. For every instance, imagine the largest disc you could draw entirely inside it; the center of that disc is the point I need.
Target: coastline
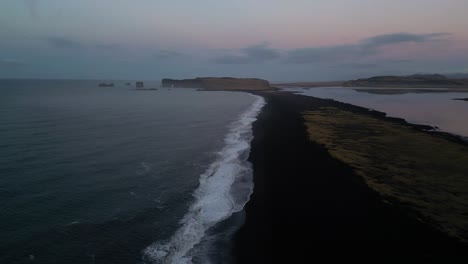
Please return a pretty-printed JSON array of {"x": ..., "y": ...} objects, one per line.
[
  {"x": 224, "y": 189},
  {"x": 307, "y": 205}
]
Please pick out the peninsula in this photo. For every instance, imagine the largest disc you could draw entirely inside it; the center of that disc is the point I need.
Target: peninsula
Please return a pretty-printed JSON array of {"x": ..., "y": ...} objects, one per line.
[
  {"x": 218, "y": 84},
  {"x": 416, "y": 83},
  {"x": 411, "y": 81}
]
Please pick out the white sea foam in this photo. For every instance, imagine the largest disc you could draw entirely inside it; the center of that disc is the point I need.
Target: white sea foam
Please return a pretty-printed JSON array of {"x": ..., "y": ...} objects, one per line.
[{"x": 224, "y": 189}]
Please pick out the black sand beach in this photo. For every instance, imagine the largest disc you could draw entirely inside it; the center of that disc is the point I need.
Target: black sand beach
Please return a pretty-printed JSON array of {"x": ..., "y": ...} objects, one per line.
[{"x": 307, "y": 206}]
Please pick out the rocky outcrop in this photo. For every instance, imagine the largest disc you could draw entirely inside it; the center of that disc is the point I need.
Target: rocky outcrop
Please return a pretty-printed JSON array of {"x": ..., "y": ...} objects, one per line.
[
  {"x": 224, "y": 83},
  {"x": 106, "y": 85}
]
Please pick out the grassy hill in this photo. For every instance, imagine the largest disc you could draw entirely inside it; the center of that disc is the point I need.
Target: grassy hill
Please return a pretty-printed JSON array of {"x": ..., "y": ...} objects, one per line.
[{"x": 413, "y": 81}]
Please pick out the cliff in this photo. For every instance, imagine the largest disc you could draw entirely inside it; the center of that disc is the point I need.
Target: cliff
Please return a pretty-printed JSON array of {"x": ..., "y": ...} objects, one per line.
[
  {"x": 225, "y": 83},
  {"x": 185, "y": 83}
]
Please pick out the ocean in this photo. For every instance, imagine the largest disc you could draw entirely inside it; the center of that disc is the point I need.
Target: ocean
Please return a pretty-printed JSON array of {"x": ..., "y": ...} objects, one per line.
[
  {"x": 94, "y": 174},
  {"x": 437, "y": 109}
]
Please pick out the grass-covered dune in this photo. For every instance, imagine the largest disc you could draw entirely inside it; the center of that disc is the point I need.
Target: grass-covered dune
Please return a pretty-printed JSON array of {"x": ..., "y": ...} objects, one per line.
[{"x": 406, "y": 166}]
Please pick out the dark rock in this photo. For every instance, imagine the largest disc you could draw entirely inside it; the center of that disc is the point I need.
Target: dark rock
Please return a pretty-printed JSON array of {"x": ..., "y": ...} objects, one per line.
[{"x": 106, "y": 85}]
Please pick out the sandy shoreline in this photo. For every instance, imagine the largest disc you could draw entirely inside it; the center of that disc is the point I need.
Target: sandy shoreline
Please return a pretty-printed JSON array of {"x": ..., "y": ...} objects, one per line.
[{"x": 307, "y": 204}]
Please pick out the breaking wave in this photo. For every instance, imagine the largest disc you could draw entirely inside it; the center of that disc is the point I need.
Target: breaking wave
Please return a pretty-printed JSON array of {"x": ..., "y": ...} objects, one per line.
[{"x": 225, "y": 187}]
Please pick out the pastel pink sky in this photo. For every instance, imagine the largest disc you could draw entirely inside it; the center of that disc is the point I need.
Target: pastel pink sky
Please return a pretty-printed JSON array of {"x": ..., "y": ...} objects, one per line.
[{"x": 298, "y": 39}]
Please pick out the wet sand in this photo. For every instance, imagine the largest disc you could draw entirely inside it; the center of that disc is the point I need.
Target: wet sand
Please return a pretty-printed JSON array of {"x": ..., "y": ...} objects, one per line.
[{"x": 307, "y": 206}]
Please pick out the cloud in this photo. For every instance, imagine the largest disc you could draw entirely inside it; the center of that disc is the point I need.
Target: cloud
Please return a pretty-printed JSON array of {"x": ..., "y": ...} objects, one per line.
[
  {"x": 363, "y": 48},
  {"x": 399, "y": 61},
  {"x": 252, "y": 54},
  {"x": 396, "y": 38},
  {"x": 364, "y": 65},
  {"x": 63, "y": 43},
  {"x": 356, "y": 66},
  {"x": 31, "y": 6},
  {"x": 319, "y": 54},
  {"x": 12, "y": 63},
  {"x": 233, "y": 59},
  {"x": 261, "y": 52},
  {"x": 168, "y": 54},
  {"x": 69, "y": 43},
  {"x": 107, "y": 46}
]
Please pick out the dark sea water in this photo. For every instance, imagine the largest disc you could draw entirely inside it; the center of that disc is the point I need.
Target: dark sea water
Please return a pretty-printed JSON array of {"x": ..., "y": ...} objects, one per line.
[{"x": 114, "y": 175}]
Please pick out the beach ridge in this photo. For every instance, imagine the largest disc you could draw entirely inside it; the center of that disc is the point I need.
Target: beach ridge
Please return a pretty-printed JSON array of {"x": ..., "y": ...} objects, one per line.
[{"x": 308, "y": 203}]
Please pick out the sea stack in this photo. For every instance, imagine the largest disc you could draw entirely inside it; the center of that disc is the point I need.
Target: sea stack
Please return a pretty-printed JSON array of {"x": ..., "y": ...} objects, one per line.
[{"x": 140, "y": 85}]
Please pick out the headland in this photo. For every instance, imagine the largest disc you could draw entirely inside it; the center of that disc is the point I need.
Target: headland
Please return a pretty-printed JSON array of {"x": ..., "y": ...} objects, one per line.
[{"x": 221, "y": 83}]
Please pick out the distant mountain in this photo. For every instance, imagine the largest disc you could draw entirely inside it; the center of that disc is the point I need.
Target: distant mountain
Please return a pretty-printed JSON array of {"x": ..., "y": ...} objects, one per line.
[
  {"x": 428, "y": 76},
  {"x": 414, "y": 81},
  {"x": 458, "y": 75}
]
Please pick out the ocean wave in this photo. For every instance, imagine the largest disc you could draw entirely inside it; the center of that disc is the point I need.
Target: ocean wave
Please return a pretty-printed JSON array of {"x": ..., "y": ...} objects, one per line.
[{"x": 225, "y": 187}]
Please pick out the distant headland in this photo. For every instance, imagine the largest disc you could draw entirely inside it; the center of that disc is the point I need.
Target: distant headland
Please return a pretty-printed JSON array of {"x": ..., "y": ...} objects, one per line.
[
  {"x": 412, "y": 81},
  {"x": 222, "y": 83},
  {"x": 451, "y": 81}
]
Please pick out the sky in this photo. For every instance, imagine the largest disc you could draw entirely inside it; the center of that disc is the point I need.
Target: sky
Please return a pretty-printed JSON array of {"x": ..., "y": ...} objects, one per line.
[{"x": 295, "y": 40}]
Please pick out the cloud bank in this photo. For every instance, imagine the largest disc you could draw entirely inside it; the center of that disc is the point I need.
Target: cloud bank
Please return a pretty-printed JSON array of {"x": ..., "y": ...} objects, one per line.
[
  {"x": 63, "y": 43},
  {"x": 364, "y": 48},
  {"x": 396, "y": 38},
  {"x": 7, "y": 63},
  {"x": 107, "y": 46},
  {"x": 369, "y": 46},
  {"x": 168, "y": 54},
  {"x": 252, "y": 54},
  {"x": 31, "y": 6}
]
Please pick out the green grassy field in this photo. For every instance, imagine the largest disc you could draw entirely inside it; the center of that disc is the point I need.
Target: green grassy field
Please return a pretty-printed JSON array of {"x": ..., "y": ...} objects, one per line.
[{"x": 429, "y": 174}]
